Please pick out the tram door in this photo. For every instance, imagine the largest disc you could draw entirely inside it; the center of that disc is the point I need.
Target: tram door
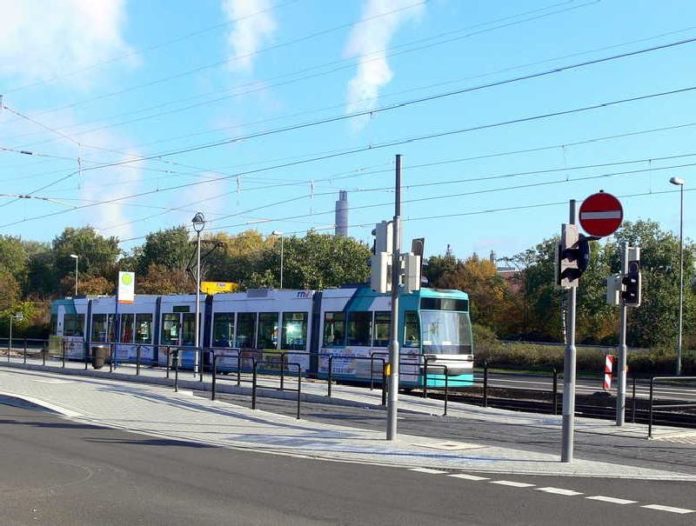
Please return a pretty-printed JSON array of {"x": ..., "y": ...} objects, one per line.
[{"x": 179, "y": 330}]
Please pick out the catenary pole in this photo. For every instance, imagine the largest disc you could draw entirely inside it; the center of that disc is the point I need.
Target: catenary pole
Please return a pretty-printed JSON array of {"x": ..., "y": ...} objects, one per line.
[
  {"x": 569, "y": 370},
  {"x": 395, "y": 279}
]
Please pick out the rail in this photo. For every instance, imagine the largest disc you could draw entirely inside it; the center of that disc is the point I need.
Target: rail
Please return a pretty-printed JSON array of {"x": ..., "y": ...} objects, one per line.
[{"x": 670, "y": 380}]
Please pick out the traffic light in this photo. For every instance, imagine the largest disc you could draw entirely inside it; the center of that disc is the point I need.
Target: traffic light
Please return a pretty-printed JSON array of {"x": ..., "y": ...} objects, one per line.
[
  {"x": 614, "y": 289},
  {"x": 412, "y": 272},
  {"x": 380, "y": 272},
  {"x": 632, "y": 284},
  {"x": 573, "y": 256}
]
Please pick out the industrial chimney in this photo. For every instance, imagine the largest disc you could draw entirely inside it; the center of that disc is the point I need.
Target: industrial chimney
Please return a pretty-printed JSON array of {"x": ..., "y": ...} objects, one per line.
[{"x": 342, "y": 214}]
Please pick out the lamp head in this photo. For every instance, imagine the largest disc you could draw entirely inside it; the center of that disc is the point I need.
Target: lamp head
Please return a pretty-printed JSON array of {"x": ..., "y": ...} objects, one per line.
[
  {"x": 678, "y": 181},
  {"x": 198, "y": 222},
  {"x": 74, "y": 256},
  {"x": 277, "y": 233}
]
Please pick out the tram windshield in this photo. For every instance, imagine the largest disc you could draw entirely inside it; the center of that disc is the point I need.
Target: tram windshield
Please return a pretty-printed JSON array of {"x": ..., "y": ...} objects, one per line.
[{"x": 446, "y": 332}]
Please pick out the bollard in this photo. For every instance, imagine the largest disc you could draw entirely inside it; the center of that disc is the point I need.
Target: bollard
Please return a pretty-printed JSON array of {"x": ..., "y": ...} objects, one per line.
[
  {"x": 86, "y": 354},
  {"x": 169, "y": 353},
  {"x": 201, "y": 365},
  {"x": 282, "y": 371},
  {"x": 384, "y": 383},
  {"x": 63, "y": 355},
  {"x": 111, "y": 358},
  {"x": 137, "y": 360},
  {"x": 446, "y": 388},
  {"x": 425, "y": 379},
  {"x": 44, "y": 352},
  {"x": 485, "y": 384},
  {"x": 650, "y": 409},
  {"x": 239, "y": 368},
  {"x": 25, "y": 351}
]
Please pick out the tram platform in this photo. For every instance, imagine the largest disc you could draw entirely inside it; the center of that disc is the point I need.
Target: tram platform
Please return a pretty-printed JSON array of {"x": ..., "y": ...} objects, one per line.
[{"x": 469, "y": 439}]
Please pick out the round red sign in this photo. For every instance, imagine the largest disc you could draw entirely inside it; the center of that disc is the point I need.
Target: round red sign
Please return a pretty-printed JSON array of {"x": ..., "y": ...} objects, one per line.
[{"x": 601, "y": 214}]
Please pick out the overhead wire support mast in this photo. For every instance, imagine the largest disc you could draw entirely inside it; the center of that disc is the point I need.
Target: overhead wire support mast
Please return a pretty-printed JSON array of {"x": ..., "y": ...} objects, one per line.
[{"x": 392, "y": 407}]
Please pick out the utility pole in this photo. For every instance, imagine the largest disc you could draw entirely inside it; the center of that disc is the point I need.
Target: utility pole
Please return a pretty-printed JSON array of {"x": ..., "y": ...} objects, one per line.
[
  {"x": 569, "y": 369},
  {"x": 395, "y": 279}
]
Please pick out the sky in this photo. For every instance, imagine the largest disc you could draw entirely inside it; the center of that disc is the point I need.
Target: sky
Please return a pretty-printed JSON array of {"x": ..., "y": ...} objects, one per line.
[{"x": 132, "y": 116}]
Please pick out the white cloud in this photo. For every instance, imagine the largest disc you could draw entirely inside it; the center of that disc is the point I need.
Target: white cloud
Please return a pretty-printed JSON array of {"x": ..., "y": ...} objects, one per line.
[
  {"x": 253, "y": 24},
  {"x": 40, "y": 39},
  {"x": 369, "y": 40}
]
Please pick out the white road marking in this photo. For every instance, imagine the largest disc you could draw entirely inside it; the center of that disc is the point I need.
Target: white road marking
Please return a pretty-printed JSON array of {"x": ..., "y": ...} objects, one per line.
[
  {"x": 670, "y": 509},
  {"x": 612, "y": 500},
  {"x": 560, "y": 491},
  {"x": 467, "y": 477},
  {"x": 428, "y": 470},
  {"x": 512, "y": 484}
]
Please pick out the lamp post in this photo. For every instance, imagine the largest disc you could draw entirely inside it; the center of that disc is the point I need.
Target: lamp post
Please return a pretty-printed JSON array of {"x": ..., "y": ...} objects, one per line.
[
  {"x": 678, "y": 181},
  {"x": 279, "y": 233},
  {"x": 77, "y": 259},
  {"x": 198, "y": 225}
]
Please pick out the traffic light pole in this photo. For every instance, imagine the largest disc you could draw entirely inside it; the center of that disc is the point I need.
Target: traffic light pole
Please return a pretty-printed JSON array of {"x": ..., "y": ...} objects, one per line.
[
  {"x": 623, "y": 349},
  {"x": 568, "y": 432},
  {"x": 395, "y": 275}
]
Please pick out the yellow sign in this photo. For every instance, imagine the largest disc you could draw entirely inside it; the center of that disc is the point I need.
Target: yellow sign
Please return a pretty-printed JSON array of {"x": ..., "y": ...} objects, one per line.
[{"x": 216, "y": 287}]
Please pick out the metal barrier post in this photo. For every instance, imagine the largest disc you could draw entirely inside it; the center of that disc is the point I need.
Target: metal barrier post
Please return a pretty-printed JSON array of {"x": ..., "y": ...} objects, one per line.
[
  {"x": 176, "y": 370},
  {"x": 44, "y": 352},
  {"x": 212, "y": 389},
  {"x": 253, "y": 385},
  {"x": 282, "y": 371},
  {"x": 169, "y": 354},
  {"x": 650, "y": 414},
  {"x": 239, "y": 368},
  {"x": 384, "y": 382},
  {"x": 25, "y": 351},
  {"x": 201, "y": 362},
  {"x": 299, "y": 389},
  {"x": 485, "y": 383},
  {"x": 330, "y": 374},
  {"x": 555, "y": 391},
  {"x": 111, "y": 358},
  {"x": 633, "y": 410},
  {"x": 86, "y": 354},
  {"x": 63, "y": 356},
  {"x": 138, "y": 352},
  {"x": 425, "y": 378},
  {"x": 372, "y": 371},
  {"x": 446, "y": 388}
]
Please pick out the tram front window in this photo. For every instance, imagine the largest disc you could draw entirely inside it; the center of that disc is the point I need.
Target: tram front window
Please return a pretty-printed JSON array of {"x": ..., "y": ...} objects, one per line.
[{"x": 446, "y": 332}]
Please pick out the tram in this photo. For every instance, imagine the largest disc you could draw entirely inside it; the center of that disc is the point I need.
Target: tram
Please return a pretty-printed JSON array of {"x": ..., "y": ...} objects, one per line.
[{"x": 343, "y": 331}]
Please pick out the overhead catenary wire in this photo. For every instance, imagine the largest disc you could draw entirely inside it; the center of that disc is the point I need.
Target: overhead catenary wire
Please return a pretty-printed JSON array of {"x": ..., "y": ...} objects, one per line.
[{"x": 384, "y": 145}]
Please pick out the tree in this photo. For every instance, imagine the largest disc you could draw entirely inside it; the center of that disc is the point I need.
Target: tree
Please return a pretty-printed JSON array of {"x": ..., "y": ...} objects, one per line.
[
  {"x": 437, "y": 266},
  {"x": 13, "y": 257},
  {"x": 97, "y": 254},
  {"x": 162, "y": 280},
  {"x": 168, "y": 248}
]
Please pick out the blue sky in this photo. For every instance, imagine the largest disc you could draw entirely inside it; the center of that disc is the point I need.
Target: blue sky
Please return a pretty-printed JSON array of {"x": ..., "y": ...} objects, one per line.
[{"x": 138, "y": 114}]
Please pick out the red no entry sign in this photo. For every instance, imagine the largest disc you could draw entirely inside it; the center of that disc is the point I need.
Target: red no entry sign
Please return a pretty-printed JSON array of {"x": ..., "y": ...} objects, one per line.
[{"x": 601, "y": 214}]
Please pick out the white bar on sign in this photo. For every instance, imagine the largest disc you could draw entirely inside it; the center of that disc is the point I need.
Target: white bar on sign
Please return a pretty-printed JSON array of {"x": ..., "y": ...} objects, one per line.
[{"x": 614, "y": 214}]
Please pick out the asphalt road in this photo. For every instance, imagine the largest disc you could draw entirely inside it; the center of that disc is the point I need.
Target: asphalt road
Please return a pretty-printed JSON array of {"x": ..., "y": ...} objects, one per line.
[{"x": 59, "y": 472}]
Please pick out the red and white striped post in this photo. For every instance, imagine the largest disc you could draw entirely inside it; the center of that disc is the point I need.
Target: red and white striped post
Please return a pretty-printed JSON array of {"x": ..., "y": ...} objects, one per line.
[{"x": 608, "y": 368}]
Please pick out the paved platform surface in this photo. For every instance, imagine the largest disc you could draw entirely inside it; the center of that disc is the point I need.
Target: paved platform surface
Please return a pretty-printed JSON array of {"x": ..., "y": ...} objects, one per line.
[{"x": 159, "y": 411}]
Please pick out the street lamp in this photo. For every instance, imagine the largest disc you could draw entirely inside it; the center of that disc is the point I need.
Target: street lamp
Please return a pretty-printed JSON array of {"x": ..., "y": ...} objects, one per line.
[
  {"x": 198, "y": 225},
  {"x": 279, "y": 233},
  {"x": 77, "y": 259},
  {"x": 678, "y": 181}
]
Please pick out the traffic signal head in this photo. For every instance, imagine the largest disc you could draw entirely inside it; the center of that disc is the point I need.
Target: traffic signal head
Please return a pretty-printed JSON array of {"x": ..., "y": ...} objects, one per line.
[
  {"x": 631, "y": 285},
  {"x": 573, "y": 256}
]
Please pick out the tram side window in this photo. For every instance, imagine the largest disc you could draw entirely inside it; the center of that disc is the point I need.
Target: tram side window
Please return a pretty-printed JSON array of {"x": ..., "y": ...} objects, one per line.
[
  {"x": 411, "y": 330},
  {"x": 127, "y": 322},
  {"x": 223, "y": 329},
  {"x": 334, "y": 329},
  {"x": 188, "y": 329},
  {"x": 103, "y": 328},
  {"x": 170, "y": 329},
  {"x": 268, "y": 331},
  {"x": 73, "y": 325},
  {"x": 359, "y": 328},
  {"x": 143, "y": 328},
  {"x": 294, "y": 337},
  {"x": 382, "y": 323},
  {"x": 246, "y": 330}
]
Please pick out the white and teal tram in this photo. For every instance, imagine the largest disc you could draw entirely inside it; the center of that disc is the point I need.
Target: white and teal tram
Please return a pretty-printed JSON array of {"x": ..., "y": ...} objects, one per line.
[{"x": 344, "y": 329}]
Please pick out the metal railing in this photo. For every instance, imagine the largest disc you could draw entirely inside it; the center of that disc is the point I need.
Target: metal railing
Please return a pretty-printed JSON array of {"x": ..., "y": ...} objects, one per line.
[
  {"x": 669, "y": 380},
  {"x": 374, "y": 357}
]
